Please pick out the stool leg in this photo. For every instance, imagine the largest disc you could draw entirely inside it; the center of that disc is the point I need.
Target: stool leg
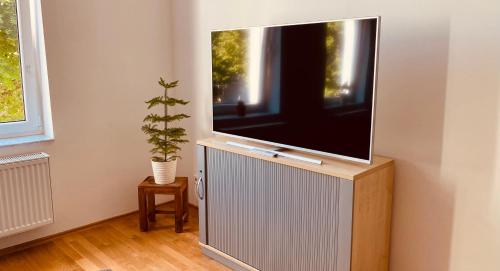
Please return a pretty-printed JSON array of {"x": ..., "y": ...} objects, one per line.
[
  {"x": 151, "y": 206},
  {"x": 143, "y": 218},
  {"x": 178, "y": 211},
  {"x": 185, "y": 205}
]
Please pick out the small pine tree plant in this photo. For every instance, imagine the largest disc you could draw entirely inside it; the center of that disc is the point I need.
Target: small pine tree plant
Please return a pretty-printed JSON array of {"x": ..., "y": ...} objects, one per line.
[{"x": 164, "y": 139}]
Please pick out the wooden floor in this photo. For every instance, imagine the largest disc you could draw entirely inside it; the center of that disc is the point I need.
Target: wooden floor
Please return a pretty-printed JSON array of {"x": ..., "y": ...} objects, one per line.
[{"x": 118, "y": 244}]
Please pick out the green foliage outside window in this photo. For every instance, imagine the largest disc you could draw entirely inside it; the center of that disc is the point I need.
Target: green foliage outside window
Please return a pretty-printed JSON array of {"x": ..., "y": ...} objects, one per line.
[
  {"x": 229, "y": 63},
  {"x": 11, "y": 94}
]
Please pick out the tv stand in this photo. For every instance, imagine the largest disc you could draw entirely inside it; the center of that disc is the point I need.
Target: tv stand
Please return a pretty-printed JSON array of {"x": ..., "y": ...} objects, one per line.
[
  {"x": 258, "y": 212},
  {"x": 274, "y": 153}
]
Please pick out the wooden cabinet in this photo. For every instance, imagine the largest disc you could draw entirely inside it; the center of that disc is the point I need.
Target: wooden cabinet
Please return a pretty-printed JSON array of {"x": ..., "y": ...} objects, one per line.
[{"x": 264, "y": 213}]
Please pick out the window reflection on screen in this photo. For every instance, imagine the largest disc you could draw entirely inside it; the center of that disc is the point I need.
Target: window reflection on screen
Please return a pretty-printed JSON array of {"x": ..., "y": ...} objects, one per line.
[
  {"x": 229, "y": 65},
  {"x": 238, "y": 66},
  {"x": 254, "y": 62},
  {"x": 246, "y": 66},
  {"x": 344, "y": 43},
  {"x": 332, "y": 70}
]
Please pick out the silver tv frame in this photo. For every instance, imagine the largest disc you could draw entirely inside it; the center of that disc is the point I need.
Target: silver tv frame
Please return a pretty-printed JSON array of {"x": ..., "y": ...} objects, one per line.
[{"x": 374, "y": 96}]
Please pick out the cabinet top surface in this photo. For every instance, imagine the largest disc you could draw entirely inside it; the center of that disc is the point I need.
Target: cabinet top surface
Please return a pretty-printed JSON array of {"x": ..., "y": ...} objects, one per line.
[{"x": 331, "y": 166}]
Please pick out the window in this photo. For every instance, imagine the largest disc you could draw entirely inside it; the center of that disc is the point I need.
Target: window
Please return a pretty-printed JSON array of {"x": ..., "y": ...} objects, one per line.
[{"x": 24, "y": 100}]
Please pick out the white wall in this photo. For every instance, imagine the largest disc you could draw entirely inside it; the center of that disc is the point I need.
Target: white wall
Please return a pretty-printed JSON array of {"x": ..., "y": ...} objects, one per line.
[
  {"x": 437, "y": 113},
  {"x": 104, "y": 59}
]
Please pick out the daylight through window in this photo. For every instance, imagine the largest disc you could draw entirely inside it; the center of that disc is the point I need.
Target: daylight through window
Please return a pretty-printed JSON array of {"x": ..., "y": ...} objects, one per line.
[{"x": 11, "y": 89}]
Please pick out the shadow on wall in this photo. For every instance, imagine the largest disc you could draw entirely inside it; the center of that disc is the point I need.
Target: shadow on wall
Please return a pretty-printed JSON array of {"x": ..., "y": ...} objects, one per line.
[
  {"x": 470, "y": 151},
  {"x": 409, "y": 127},
  {"x": 187, "y": 62}
]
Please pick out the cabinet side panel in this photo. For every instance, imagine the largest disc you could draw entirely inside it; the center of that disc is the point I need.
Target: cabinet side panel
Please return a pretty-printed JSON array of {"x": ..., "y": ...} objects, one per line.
[
  {"x": 372, "y": 220},
  {"x": 345, "y": 207},
  {"x": 276, "y": 217},
  {"x": 202, "y": 199}
]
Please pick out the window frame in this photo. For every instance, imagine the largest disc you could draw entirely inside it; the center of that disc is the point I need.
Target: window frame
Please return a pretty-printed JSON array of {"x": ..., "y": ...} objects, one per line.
[{"x": 37, "y": 125}]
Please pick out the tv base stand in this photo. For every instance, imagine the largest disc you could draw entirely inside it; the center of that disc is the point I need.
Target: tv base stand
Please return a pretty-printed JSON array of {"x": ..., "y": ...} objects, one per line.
[{"x": 274, "y": 153}]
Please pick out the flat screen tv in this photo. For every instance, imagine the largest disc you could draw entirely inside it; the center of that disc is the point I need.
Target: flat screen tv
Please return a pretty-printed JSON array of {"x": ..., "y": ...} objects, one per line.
[{"x": 309, "y": 87}]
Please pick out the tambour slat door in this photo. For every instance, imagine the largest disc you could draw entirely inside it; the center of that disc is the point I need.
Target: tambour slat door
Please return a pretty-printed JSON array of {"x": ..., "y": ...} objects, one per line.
[{"x": 276, "y": 217}]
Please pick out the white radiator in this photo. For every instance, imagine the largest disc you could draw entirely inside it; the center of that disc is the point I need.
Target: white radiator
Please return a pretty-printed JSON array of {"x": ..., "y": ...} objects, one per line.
[{"x": 25, "y": 193}]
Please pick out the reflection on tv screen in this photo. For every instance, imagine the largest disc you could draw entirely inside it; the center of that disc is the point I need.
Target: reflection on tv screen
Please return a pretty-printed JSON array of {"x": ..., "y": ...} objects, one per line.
[{"x": 309, "y": 86}]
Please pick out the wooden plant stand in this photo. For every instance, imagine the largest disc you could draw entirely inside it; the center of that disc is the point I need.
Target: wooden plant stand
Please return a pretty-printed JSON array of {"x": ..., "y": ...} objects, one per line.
[{"x": 147, "y": 190}]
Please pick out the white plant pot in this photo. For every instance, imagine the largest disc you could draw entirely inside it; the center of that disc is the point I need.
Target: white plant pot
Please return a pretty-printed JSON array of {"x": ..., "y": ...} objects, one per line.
[{"x": 164, "y": 172}]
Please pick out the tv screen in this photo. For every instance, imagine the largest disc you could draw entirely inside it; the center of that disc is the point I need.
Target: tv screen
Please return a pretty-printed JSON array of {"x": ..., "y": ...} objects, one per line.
[{"x": 309, "y": 87}]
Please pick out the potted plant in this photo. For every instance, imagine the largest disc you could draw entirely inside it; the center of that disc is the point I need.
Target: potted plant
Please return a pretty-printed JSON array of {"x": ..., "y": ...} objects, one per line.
[{"x": 164, "y": 137}]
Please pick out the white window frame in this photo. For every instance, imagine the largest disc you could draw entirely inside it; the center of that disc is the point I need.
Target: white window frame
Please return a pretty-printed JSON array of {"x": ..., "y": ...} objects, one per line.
[{"x": 37, "y": 125}]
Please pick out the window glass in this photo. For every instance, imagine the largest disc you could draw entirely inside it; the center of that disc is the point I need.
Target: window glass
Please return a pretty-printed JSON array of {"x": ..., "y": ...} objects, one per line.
[{"x": 11, "y": 90}]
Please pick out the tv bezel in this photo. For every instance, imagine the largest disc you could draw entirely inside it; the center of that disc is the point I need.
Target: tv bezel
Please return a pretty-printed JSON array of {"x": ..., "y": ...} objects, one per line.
[{"x": 306, "y": 150}]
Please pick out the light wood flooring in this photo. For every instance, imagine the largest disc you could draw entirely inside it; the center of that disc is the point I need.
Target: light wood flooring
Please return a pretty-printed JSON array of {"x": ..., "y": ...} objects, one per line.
[{"x": 118, "y": 244}]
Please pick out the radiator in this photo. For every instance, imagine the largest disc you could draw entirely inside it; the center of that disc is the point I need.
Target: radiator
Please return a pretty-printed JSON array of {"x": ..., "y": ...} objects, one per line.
[{"x": 25, "y": 193}]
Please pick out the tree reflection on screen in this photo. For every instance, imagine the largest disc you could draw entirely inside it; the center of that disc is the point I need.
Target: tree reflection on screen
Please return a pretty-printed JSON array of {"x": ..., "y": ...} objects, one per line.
[
  {"x": 332, "y": 72},
  {"x": 229, "y": 63}
]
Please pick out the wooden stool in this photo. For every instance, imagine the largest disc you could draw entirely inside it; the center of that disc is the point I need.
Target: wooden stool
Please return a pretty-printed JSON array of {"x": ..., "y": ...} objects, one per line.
[{"x": 147, "y": 190}]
